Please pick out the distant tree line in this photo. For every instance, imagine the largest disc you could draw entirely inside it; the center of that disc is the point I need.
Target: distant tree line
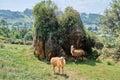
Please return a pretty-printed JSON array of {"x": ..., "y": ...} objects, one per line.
[{"x": 16, "y": 32}]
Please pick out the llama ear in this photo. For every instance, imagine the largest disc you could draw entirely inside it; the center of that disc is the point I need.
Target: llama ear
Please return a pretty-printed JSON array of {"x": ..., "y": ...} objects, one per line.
[
  {"x": 72, "y": 45},
  {"x": 62, "y": 57}
]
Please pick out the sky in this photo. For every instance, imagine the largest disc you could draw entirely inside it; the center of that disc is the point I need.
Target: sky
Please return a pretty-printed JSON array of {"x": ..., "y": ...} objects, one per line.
[{"x": 87, "y": 6}]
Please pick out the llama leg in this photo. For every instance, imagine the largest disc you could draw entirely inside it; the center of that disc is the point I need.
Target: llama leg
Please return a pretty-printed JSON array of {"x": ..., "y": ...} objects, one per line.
[
  {"x": 82, "y": 58},
  {"x": 54, "y": 69},
  {"x": 62, "y": 70},
  {"x": 59, "y": 69},
  {"x": 75, "y": 59}
]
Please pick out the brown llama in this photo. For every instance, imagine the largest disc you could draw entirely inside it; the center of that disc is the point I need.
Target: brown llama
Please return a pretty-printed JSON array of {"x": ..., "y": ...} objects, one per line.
[{"x": 77, "y": 52}]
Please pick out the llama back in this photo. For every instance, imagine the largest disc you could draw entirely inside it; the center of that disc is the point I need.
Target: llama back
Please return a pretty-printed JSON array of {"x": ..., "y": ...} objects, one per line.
[
  {"x": 57, "y": 61},
  {"x": 78, "y": 52}
]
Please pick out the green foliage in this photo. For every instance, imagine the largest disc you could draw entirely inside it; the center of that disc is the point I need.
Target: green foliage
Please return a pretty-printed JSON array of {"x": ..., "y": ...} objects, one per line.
[
  {"x": 111, "y": 18},
  {"x": 111, "y": 29},
  {"x": 19, "y": 32},
  {"x": 1, "y": 32},
  {"x": 110, "y": 63},
  {"x": 10, "y": 33},
  {"x": 117, "y": 41},
  {"x": 17, "y": 35},
  {"x": 99, "y": 60},
  {"x": 116, "y": 57},
  {"x": 91, "y": 36},
  {"x": 28, "y": 36},
  {"x": 3, "y": 23},
  {"x": 111, "y": 47},
  {"x": 15, "y": 24},
  {"x": 94, "y": 54},
  {"x": 69, "y": 21},
  {"x": 4, "y": 30},
  {"x": 23, "y": 31},
  {"x": 45, "y": 19}
]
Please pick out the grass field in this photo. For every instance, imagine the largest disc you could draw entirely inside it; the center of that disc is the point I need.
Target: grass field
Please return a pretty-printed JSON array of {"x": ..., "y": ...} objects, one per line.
[{"x": 17, "y": 62}]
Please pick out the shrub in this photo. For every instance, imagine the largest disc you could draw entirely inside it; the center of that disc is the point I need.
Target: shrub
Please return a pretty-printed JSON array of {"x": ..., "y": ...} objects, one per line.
[
  {"x": 108, "y": 51},
  {"x": 110, "y": 63},
  {"x": 28, "y": 36},
  {"x": 94, "y": 54},
  {"x": 2, "y": 46},
  {"x": 116, "y": 56},
  {"x": 99, "y": 60}
]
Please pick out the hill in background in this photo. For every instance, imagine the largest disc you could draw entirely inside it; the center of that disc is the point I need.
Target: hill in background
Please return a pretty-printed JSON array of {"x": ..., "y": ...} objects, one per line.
[
  {"x": 25, "y": 18},
  {"x": 16, "y": 18}
]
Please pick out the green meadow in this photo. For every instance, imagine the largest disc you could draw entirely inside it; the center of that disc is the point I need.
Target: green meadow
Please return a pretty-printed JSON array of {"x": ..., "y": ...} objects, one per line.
[{"x": 17, "y": 62}]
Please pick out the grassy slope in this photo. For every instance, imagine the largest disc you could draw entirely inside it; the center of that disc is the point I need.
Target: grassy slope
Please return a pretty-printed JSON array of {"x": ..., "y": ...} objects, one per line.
[{"x": 18, "y": 63}]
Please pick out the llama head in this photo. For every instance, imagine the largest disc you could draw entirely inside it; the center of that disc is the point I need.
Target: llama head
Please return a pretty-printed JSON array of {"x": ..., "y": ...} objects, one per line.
[
  {"x": 72, "y": 46},
  {"x": 71, "y": 50},
  {"x": 62, "y": 59}
]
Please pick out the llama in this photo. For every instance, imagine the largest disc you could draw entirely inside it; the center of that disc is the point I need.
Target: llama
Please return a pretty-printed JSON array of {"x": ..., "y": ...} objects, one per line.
[
  {"x": 58, "y": 62},
  {"x": 77, "y": 52}
]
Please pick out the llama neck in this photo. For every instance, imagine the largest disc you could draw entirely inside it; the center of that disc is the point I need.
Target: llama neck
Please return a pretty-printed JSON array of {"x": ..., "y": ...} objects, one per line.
[{"x": 72, "y": 49}]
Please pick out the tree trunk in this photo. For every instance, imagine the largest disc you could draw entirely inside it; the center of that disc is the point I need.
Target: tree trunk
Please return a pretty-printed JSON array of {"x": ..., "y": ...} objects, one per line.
[{"x": 39, "y": 48}]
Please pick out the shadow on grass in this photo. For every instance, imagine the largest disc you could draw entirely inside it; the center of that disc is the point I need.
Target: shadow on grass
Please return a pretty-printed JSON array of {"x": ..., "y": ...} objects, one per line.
[
  {"x": 62, "y": 75},
  {"x": 46, "y": 61},
  {"x": 43, "y": 60},
  {"x": 90, "y": 62}
]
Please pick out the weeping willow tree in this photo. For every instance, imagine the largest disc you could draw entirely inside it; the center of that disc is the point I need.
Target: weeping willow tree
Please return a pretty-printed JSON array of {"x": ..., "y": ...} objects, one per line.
[{"x": 45, "y": 24}]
